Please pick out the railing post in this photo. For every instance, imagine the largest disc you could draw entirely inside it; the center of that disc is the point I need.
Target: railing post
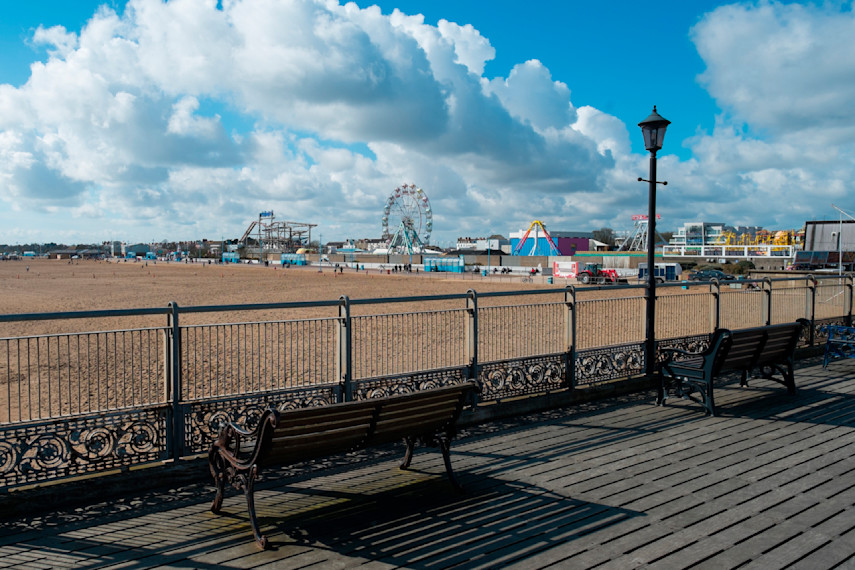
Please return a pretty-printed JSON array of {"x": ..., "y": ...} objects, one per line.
[
  {"x": 344, "y": 350},
  {"x": 570, "y": 336},
  {"x": 767, "y": 305},
  {"x": 176, "y": 422},
  {"x": 810, "y": 309},
  {"x": 847, "y": 299},
  {"x": 471, "y": 337},
  {"x": 715, "y": 290}
]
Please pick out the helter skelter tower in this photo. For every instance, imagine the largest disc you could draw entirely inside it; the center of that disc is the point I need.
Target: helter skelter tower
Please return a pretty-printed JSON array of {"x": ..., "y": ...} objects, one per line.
[{"x": 407, "y": 220}]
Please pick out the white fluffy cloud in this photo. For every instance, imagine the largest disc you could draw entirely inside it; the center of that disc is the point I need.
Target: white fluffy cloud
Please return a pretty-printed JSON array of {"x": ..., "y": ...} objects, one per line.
[
  {"x": 782, "y": 73},
  {"x": 183, "y": 119}
]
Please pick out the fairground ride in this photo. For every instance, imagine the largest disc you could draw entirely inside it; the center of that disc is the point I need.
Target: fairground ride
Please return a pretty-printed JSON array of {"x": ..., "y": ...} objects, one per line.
[
  {"x": 637, "y": 240},
  {"x": 278, "y": 237},
  {"x": 407, "y": 220},
  {"x": 553, "y": 249}
]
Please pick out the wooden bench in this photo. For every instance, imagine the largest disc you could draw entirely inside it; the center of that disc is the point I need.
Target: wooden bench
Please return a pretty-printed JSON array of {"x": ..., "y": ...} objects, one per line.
[
  {"x": 769, "y": 348},
  {"x": 282, "y": 438},
  {"x": 840, "y": 343}
]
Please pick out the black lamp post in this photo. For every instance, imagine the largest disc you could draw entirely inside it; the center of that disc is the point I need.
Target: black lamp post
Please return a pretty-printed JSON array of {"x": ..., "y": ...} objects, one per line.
[{"x": 653, "y": 129}]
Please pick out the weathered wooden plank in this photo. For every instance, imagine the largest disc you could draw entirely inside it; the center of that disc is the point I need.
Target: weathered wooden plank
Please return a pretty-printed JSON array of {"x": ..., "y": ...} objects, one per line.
[{"x": 834, "y": 554}]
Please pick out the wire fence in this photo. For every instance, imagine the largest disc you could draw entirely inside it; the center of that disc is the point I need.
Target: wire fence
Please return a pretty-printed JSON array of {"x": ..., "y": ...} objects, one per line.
[
  {"x": 831, "y": 298},
  {"x": 391, "y": 344},
  {"x": 688, "y": 314},
  {"x": 790, "y": 303},
  {"x": 609, "y": 322},
  {"x": 62, "y": 375},
  {"x": 741, "y": 308},
  {"x": 238, "y": 358},
  {"x": 517, "y": 331}
]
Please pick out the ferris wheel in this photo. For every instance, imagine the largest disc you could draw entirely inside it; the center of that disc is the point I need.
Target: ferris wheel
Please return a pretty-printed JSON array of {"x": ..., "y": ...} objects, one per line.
[{"x": 407, "y": 219}]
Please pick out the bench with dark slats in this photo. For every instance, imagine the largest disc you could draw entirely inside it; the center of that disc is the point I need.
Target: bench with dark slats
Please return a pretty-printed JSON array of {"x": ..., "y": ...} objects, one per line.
[
  {"x": 768, "y": 349},
  {"x": 282, "y": 438}
]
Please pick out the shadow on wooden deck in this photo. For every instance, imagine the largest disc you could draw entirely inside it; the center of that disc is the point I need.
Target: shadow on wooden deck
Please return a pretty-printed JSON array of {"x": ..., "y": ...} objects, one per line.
[
  {"x": 425, "y": 525},
  {"x": 613, "y": 484}
]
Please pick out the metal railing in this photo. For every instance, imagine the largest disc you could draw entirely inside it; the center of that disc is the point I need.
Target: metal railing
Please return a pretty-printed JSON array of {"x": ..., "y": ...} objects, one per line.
[{"x": 90, "y": 401}]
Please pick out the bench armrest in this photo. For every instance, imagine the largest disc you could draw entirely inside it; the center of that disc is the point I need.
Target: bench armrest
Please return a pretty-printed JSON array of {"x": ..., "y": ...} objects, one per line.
[{"x": 229, "y": 443}]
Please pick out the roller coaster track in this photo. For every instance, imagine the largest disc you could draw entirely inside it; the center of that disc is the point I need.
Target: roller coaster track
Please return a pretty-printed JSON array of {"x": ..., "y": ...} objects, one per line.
[{"x": 248, "y": 231}]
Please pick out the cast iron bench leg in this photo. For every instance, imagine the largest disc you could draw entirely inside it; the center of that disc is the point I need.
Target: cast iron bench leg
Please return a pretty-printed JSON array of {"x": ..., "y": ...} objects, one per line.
[
  {"x": 218, "y": 471},
  {"x": 445, "y": 446},
  {"x": 709, "y": 400},
  {"x": 249, "y": 491},
  {"x": 408, "y": 454},
  {"x": 789, "y": 378},
  {"x": 217, "y": 503}
]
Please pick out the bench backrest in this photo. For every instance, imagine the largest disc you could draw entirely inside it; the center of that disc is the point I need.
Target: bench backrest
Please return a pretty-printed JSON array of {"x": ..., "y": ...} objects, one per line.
[
  {"x": 419, "y": 413},
  {"x": 760, "y": 345},
  {"x": 780, "y": 343},
  {"x": 304, "y": 434},
  {"x": 298, "y": 435}
]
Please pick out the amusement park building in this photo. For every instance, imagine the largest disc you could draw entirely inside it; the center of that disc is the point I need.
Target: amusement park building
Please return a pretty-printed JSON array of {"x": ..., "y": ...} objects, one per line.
[
  {"x": 708, "y": 233},
  {"x": 716, "y": 241},
  {"x": 830, "y": 235},
  {"x": 537, "y": 242},
  {"x": 483, "y": 244}
]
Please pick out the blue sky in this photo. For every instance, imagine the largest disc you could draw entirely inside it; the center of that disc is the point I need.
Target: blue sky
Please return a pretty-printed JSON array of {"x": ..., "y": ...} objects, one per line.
[
  {"x": 600, "y": 49},
  {"x": 147, "y": 120}
]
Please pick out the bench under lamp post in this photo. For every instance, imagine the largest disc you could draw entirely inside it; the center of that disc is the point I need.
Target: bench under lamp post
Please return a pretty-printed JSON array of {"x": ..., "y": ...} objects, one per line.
[{"x": 653, "y": 129}]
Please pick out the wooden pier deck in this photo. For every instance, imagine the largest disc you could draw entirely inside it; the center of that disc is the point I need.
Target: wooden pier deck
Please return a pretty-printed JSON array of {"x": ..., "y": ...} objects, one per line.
[{"x": 620, "y": 483}]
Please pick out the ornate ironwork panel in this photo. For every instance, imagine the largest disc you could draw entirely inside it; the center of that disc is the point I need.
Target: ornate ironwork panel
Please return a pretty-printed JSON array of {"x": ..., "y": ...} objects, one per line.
[
  {"x": 696, "y": 343},
  {"x": 523, "y": 376},
  {"x": 203, "y": 420},
  {"x": 610, "y": 363},
  {"x": 51, "y": 450},
  {"x": 820, "y": 330},
  {"x": 405, "y": 383}
]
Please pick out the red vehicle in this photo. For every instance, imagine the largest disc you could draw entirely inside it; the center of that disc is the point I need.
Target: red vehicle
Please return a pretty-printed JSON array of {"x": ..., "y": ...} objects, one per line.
[{"x": 594, "y": 273}]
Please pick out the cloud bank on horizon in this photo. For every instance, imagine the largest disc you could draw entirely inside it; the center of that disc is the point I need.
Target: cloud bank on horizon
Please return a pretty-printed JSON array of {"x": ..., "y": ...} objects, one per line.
[{"x": 183, "y": 120}]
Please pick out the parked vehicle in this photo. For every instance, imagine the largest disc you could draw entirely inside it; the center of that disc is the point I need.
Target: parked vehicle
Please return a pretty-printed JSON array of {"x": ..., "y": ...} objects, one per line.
[
  {"x": 662, "y": 272},
  {"x": 710, "y": 274},
  {"x": 594, "y": 273}
]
